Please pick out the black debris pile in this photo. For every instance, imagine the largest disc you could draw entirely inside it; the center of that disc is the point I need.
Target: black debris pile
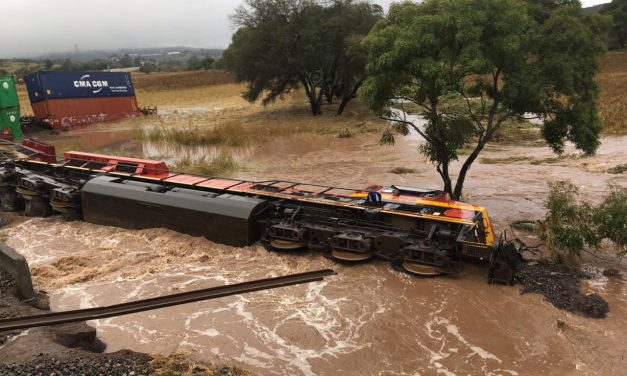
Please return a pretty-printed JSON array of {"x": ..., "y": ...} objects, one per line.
[
  {"x": 560, "y": 286},
  {"x": 611, "y": 272},
  {"x": 122, "y": 363}
]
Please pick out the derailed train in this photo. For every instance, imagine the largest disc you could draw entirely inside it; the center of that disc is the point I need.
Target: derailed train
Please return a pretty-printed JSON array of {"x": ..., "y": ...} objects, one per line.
[{"x": 421, "y": 232}]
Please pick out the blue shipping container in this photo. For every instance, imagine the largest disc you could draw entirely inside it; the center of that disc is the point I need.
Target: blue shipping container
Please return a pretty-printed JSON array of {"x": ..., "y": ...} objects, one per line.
[{"x": 65, "y": 85}]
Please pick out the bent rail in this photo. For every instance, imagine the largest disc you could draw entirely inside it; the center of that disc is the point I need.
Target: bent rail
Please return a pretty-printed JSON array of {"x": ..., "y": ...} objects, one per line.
[{"x": 161, "y": 302}]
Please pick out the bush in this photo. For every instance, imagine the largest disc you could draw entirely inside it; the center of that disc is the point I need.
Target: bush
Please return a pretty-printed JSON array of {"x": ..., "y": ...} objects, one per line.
[
  {"x": 611, "y": 218},
  {"x": 148, "y": 68},
  {"x": 567, "y": 228}
]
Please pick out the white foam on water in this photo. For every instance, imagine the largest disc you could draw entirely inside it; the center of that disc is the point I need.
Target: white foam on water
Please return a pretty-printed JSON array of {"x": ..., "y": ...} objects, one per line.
[
  {"x": 208, "y": 332},
  {"x": 454, "y": 330},
  {"x": 14, "y": 337}
]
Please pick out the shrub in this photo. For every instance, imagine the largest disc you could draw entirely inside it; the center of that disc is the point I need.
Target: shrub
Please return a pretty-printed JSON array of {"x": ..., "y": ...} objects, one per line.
[
  {"x": 567, "y": 228},
  {"x": 610, "y": 218}
]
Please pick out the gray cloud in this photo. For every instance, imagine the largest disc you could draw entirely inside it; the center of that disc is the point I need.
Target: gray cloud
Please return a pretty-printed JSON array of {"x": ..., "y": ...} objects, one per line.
[{"x": 34, "y": 27}]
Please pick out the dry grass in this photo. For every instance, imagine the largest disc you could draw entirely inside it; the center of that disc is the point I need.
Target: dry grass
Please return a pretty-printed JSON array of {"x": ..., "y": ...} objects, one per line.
[
  {"x": 181, "y": 364},
  {"x": 613, "y": 101},
  {"x": 204, "y": 97},
  {"x": 235, "y": 123},
  {"x": 22, "y": 94},
  {"x": 515, "y": 132},
  {"x": 181, "y": 80}
]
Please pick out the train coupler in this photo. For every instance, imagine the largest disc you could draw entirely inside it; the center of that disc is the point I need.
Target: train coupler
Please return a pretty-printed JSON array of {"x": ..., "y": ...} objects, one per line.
[{"x": 504, "y": 261}]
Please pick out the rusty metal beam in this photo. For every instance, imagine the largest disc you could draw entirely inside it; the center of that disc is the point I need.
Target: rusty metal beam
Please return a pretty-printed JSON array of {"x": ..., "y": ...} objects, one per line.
[{"x": 161, "y": 302}]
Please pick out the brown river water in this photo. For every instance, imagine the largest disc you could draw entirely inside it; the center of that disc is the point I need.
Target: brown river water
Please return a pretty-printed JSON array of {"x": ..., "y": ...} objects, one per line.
[{"x": 367, "y": 320}]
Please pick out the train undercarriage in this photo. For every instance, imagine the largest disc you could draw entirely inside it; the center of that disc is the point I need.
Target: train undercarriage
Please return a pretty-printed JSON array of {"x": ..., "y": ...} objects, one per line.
[{"x": 421, "y": 232}]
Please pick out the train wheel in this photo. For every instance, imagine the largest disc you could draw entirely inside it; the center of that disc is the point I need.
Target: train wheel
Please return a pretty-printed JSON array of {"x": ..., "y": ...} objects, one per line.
[
  {"x": 70, "y": 212},
  {"x": 285, "y": 245},
  {"x": 423, "y": 270},
  {"x": 351, "y": 256}
]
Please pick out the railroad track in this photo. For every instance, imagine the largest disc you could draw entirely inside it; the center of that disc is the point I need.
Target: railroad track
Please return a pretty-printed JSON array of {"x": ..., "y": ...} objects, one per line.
[{"x": 161, "y": 302}]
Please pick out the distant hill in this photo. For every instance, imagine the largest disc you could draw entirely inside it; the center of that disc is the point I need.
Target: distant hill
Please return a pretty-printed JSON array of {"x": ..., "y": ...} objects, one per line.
[
  {"x": 594, "y": 8},
  {"x": 156, "y": 53}
]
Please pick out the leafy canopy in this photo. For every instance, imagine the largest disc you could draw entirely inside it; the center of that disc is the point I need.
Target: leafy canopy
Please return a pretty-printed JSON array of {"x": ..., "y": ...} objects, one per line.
[
  {"x": 500, "y": 59},
  {"x": 617, "y": 9},
  {"x": 282, "y": 45}
]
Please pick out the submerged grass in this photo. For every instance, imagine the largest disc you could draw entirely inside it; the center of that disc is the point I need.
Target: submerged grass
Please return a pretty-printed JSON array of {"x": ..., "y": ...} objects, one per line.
[
  {"x": 222, "y": 165},
  {"x": 530, "y": 160},
  {"x": 402, "y": 170},
  {"x": 505, "y": 160},
  {"x": 618, "y": 169}
]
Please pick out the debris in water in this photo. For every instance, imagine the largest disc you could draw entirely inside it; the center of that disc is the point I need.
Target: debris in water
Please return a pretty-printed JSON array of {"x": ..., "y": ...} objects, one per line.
[
  {"x": 560, "y": 287},
  {"x": 611, "y": 272}
]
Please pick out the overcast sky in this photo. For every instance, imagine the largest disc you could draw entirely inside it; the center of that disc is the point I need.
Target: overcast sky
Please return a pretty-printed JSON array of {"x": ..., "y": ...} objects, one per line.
[{"x": 34, "y": 27}]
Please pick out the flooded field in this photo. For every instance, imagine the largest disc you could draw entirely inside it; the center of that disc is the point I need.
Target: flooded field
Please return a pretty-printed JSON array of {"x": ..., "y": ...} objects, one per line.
[{"x": 367, "y": 320}]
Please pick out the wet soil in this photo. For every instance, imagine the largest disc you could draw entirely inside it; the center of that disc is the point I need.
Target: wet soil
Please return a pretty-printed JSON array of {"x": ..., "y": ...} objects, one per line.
[{"x": 560, "y": 286}]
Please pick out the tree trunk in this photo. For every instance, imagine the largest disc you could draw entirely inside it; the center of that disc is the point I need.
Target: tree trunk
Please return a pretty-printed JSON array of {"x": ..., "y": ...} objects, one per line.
[
  {"x": 316, "y": 106},
  {"x": 314, "y": 96},
  {"x": 343, "y": 104},
  {"x": 448, "y": 186},
  {"x": 328, "y": 97},
  {"x": 346, "y": 98},
  {"x": 459, "y": 185}
]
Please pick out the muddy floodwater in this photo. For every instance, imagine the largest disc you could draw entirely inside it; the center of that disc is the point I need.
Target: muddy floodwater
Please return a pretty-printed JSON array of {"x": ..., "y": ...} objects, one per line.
[{"x": 367, "y": 320}]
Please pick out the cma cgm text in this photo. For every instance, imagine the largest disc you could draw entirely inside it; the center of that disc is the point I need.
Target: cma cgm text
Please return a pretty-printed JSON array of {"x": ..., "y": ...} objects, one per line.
[{"x": 91, "y": 84}]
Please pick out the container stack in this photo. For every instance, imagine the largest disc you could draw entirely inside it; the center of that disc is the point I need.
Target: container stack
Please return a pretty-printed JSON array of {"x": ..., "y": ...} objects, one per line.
[
  {"x": 9, "y": 109},
  {"x": 67, "y": 99}
]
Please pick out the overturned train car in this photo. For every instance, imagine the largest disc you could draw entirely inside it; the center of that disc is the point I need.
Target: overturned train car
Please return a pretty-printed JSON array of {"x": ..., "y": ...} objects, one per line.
[{"x": 421, "y": 232}]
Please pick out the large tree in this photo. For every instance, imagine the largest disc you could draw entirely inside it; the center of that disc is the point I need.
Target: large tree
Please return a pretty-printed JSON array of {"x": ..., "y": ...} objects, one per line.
[
  {"x": 282, "y": 45},
  {"x": 498, "y": 60},
  {"x": 617, "y": 9}
]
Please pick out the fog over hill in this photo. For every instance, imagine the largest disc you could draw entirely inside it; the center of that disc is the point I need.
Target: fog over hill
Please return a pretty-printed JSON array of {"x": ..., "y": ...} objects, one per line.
[
  {"x": 39, "y": 27},
  {"x": 156, "y": 53}
]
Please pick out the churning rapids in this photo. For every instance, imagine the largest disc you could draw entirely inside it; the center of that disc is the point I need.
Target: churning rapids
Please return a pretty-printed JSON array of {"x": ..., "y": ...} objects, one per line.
[{"x": 366, "y": 320}]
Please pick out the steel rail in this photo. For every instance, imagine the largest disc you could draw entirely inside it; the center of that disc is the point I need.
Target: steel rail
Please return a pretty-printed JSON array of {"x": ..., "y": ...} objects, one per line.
[{"x": 160, "y": 302}]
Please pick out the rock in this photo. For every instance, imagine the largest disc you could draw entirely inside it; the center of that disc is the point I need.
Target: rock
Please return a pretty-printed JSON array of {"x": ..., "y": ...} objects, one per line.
[{"x": 129, "y": 363}]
